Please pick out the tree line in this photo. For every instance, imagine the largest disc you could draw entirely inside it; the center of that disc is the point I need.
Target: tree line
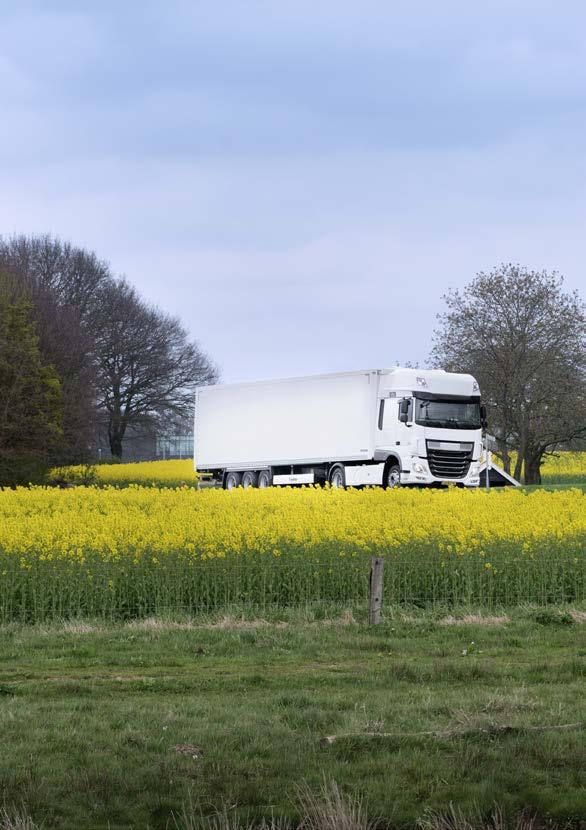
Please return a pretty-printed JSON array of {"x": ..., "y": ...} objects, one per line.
[{"x": 81, "y": 351}]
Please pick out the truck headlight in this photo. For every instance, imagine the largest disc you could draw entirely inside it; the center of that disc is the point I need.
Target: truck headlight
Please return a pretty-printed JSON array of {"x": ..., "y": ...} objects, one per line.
[
  {"x": 419, "y": 468},
  {"x": 474, "y": 469}
]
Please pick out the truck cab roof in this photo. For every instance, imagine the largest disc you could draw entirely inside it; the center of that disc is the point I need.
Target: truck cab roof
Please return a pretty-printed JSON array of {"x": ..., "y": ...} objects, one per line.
[{"x": 404, "y": 380}]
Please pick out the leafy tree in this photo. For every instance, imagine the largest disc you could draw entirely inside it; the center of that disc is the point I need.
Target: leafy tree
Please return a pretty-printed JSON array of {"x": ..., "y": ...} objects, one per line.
[
  {"x": 30, "y": 395},
  {"x": 523, "y": 337},
  {"x": 63, "y": 284},
  {"x": 147, "y": 367}
]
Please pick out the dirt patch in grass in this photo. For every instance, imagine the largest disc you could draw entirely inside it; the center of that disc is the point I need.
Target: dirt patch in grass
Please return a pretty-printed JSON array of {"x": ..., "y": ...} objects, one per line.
[
  {"x": 579, "y": 616},
  {"x": 475, "y": 619},
  {"x": 80, "y": 628},
  {"x": 228, "y": 621},
  {"x": 155, "y": 624}
]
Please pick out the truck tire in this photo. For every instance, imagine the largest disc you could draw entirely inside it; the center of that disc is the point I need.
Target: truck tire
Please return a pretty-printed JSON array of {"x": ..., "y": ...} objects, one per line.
[
  {"x": 338, "y": 477},
  {"x": 392, "y": 477},
  {"x": 264, "y": 479},
  {"x": 232, "y": 481},
  {"x": 249, "y": 479}
]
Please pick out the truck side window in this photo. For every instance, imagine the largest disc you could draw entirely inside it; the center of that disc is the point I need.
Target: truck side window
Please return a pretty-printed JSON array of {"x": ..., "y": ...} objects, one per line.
[
  {"x": 381, "y": 413},
  {"x": 409, "y": 409}
]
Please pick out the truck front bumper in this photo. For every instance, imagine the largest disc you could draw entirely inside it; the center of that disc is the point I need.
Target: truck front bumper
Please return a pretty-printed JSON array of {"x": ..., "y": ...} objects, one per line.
[{"x": 420, "y": 473}]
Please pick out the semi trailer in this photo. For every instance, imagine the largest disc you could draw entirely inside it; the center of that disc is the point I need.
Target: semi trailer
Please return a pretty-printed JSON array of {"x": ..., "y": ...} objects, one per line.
[{"x": 386, "y": 427}]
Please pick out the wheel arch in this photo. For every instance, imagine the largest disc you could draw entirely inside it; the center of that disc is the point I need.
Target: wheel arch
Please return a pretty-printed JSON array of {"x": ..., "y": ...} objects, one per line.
[
  {"x": 337, "y": 465},
  {"x": 391, "y": 459}
]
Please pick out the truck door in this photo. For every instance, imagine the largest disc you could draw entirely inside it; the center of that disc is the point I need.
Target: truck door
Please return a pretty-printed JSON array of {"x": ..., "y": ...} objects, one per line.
[{"x": 391, "y": 431}]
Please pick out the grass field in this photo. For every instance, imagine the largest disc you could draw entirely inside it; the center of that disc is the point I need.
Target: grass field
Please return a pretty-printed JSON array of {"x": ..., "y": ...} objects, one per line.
[{"x": 427, "y": 711}]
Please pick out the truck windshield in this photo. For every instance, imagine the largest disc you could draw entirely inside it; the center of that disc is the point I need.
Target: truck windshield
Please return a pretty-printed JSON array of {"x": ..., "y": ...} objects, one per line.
[{"x": 447, "y": 414}]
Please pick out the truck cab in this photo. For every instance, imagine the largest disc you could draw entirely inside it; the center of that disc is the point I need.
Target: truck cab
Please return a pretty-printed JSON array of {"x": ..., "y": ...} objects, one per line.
[{"x": 429, "y": 427}]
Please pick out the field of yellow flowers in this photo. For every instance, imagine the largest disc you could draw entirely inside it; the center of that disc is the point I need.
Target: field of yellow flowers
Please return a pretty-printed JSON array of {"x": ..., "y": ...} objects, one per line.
[
  {"x": 172, "y": 473},
  {"x": 562, "y": 468},
  {"x": 138, "y": 550}
]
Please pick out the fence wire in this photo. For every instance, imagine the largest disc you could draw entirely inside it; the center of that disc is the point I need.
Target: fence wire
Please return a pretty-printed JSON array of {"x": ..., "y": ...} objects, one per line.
[{"x": 154, "y": 584}]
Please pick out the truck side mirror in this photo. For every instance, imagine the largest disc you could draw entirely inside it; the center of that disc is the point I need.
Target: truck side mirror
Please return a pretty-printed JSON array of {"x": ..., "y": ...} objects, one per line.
[
  {"x": 483, "y": 419},
  {"x": 404, "y": 410}
]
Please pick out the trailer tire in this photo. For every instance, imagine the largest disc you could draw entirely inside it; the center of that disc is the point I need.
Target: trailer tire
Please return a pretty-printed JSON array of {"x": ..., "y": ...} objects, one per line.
[
  {"x": 232, "y": 481},
  {"x": 249, "y": 479},
  {"x": 265, "y": 479},
  {"x": 338, "y": 477},
  {"x": 392, "y": 477}
]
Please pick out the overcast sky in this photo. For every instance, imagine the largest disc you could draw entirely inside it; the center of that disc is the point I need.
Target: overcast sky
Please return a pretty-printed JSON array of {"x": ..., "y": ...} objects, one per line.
[{"x": 299, "y": 181}]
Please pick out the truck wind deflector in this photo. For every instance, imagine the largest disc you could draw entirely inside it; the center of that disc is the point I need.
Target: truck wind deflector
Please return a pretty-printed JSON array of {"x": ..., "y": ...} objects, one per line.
[{"x": 432, "y": 396}]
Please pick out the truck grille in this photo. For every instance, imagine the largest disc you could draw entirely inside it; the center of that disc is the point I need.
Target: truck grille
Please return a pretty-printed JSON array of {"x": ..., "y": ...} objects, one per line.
[{"x": 447, "y": 461}]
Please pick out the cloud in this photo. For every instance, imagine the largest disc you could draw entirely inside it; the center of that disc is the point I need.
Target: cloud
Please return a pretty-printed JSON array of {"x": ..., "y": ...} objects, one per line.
[{"x": 300, "y": 182}]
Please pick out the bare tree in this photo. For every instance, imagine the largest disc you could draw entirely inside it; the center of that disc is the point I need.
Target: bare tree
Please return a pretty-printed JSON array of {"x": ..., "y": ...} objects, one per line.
[
  {"x": 523, "y": 338},
  {"x": 147, "y": 367},
  {"x": 72, "y": 275}
]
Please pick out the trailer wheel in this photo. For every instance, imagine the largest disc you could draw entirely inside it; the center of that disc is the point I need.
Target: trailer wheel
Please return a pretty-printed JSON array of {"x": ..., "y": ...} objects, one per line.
[
  {"x": 337, "y": 477},
  {"x": 392, "y": 476},
  {"x": 249, "y": 479},
  {"x": 232, "y": 481},
  {"x": 264, "y": 479}
]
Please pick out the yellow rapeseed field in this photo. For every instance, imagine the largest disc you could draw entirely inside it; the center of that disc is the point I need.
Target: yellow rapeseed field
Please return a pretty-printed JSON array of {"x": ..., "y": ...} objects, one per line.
[
  {"x": 173, "y": 473},
  {"x": 561, "y": 468},
  {"x": 137, "y": 550},
  {"x": 565, "y": 467}
]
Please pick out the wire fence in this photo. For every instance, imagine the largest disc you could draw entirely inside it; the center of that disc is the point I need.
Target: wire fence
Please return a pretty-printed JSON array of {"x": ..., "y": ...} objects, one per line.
[{"x": 92, "y": 586}]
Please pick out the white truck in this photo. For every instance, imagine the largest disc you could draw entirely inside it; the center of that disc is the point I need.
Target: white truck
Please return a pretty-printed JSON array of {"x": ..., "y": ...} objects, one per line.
[{"x": 386, "y": 427}]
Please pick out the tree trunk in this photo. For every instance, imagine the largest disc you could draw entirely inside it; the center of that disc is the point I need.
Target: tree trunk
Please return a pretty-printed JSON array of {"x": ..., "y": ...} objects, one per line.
[
  {"x": 504, "y": 454},
  {"x": 533, "y": 467},
  {"x": 116, "y": 446},
  {"x": 519, "y": 465},
  {"x": 116, "y": 427},
  {"x": 523, "y": 451}
]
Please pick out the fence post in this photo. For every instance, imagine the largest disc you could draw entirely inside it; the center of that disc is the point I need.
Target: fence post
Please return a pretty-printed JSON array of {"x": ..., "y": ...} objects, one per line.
[{"x": 376, "y": 589}]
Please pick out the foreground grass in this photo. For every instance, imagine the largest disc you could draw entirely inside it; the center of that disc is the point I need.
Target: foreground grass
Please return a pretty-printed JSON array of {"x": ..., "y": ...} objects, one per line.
[{"x": 154, "y": 724}]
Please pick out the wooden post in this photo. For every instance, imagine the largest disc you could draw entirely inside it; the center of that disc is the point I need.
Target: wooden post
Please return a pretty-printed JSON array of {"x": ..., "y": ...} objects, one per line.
[{"x": 376, "y": 589}]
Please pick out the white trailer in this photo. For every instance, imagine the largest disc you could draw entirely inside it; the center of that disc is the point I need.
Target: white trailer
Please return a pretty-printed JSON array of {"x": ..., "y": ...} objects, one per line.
[{"x": 378, "y": 427}]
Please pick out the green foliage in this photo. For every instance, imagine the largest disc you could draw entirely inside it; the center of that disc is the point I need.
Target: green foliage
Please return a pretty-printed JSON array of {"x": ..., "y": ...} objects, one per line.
[
  {"x": 547, "y": 616},
  {"x": 30, "y": 396}
]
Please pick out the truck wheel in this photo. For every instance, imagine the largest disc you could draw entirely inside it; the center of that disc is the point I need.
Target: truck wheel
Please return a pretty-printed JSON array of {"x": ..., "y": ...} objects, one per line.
[
  {"x": 392, "y": 476},
  {"x": 249, "y": 479},
  {"x": 337, "y": 478},
  {"x": 264, "y": 479},
  {"x": 232, "y": 481}
]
